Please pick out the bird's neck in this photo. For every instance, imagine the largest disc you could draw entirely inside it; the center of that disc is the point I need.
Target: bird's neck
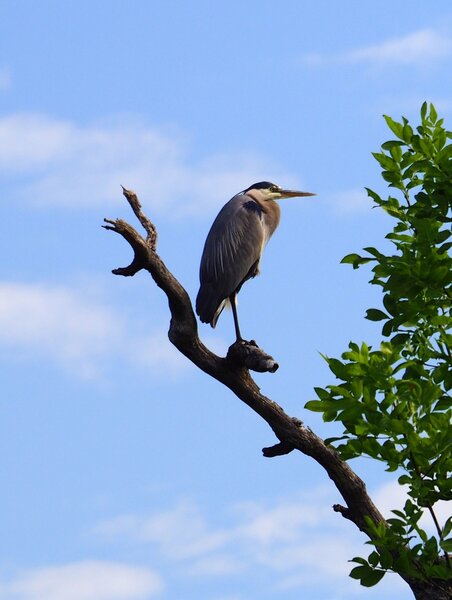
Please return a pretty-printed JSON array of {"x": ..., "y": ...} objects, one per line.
[
  {"x": 264, "y": 202},
  {"x": 257, "y": 196},
  {"x": 270, "y": 208}
]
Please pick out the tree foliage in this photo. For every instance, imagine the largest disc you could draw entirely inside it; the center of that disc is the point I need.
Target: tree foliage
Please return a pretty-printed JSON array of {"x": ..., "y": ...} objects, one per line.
[{"x": 394, "y": 402}]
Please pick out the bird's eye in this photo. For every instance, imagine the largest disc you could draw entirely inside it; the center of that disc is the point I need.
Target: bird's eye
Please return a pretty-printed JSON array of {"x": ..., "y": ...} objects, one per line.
[{"x": 274, "y": 188}]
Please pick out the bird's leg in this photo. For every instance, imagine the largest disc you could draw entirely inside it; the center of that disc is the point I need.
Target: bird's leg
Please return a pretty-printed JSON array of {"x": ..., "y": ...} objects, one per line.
[{"x": 233, "y": 301}]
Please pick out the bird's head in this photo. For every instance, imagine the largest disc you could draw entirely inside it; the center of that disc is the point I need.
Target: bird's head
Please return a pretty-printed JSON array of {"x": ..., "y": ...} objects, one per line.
[{"x": 265, "y": 190}]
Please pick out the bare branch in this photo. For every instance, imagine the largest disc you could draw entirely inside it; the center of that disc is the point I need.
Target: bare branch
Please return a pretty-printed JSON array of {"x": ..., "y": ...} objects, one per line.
[
  {"x": 343, "y": 510},
  {"x": 277, "y": 450},
  {"x": 233, "y": 370},
  {"x": 135, "y": 240},
  {"x": 149, "y": 227}
]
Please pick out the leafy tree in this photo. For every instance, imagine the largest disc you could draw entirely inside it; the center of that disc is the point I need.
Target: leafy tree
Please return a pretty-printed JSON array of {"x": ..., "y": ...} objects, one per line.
[{"x": 393, "y": 402}]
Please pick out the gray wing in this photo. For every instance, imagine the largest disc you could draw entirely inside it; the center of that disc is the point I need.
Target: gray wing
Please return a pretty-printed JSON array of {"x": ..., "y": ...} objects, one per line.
[{"x": 231, "y": 254}]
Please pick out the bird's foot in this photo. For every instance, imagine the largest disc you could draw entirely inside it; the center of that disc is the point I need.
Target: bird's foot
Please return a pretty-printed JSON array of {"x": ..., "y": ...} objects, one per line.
[{"x": 248, "y": 354}]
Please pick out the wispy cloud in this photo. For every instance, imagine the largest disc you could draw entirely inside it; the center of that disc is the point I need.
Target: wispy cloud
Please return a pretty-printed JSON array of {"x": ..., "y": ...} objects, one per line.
[
  {"x": 282, "y": 537},
  {"x": 180, "y": 532},
  {"x": 298, "y": 539},
  {"x": 57, "y": 162},
  {"x": 418, "y": 49},
  {"x": 88, "y": 580},
  {"x": 60, "y": 323}
]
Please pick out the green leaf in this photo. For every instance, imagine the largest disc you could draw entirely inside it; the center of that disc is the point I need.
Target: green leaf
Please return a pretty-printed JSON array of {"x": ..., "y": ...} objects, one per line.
[
  {"x": 392, "y": 144},
  {"x": 374, "y": 252},
  {"x": 359, "y": 560},
  {"x": 396, "y": 128},
  {"x": 400, "y": 339},
  {"x": 355, "y": 259},
  {"x": 338, "y": 368},
  {"x": 446, "y": 545},
  {"x": 404, "y": 479},
  {"x": 447, "y": 527},
  {"x": 375, "y": 197},
  {"x": 398, "y": 427},
  {"x": 361, "y": 429},
  {"x": 440, "y": 273},
  {"x": 322, "y": 393},
  {"x": 360, "y": 572},
  {"x": 433, "y": 114},
  {"x": 388, "y": 328},
  {"x": 372, "y": 578},
  {"x": 445, "y": 154},
  {"x": 387, "y": 162},
  {"x": 407, "y": 133},
  {"x": 396, "y": 152},
  {"x": 373, "y": 314},
  {"x": 385, "y": 558},
  {"x": 390, "y": 304},
  {"x": 315, "y": 405},
  {"x": 423, "y": 110}
]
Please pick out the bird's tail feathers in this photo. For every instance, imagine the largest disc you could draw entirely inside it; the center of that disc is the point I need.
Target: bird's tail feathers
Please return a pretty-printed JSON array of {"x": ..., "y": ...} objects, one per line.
[
  {"x": 224, "y": 304},
  {"x": 208, "y": 305}
]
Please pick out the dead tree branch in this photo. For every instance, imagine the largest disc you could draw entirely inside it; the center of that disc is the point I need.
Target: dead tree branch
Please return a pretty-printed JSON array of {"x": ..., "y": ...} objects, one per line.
[{"x": 233, "y": 372}]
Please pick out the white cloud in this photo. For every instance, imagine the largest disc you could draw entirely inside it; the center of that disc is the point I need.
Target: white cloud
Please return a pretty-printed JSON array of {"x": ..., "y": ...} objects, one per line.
[
  {"x": 180, "y": 532},
  {"x": 421, "y": 47},
  {"x": 283, "y": 522},
  {"x": 297, "y": 540},
  {"x": 283, "y": 537},
  {"x": 155, "y": 350},
  {"x": 59, "y": 163},
  {"x": 56, "y": 322},
  {"x": 418, "y": 49},
  {"x": 31, "y": 142},
  {"x": 303, "y": 556},
  {"x": 88, "y": 580},
  {"x": 60, "y": 323}
]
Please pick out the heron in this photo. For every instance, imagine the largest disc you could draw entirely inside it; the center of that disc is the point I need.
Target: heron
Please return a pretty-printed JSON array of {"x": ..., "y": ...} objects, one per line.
[{"x": 234, "y": 246}]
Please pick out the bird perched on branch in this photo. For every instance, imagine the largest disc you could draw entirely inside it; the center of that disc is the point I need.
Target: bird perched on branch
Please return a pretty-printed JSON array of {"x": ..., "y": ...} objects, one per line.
[{"x": 234, "y": 247}]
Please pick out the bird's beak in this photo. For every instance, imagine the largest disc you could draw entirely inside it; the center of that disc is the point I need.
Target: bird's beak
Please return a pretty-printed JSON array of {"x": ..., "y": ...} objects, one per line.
[{"x": 294, "y": 194}]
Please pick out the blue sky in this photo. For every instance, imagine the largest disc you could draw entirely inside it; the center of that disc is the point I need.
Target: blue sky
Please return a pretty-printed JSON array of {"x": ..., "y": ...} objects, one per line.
[{"x": 126, "y": 474}]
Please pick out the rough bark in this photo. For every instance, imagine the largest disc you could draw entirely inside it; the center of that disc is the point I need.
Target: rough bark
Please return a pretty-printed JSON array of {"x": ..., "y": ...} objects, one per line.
[{"x": 233, "y": 372}]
